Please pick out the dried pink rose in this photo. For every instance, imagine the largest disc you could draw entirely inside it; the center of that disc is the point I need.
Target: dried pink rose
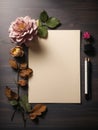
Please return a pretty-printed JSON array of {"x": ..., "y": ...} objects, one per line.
[
  {"x": 17, "y": 51},
  {"x": 23, "y": 29},
  {"x": 86, "y": 35}
]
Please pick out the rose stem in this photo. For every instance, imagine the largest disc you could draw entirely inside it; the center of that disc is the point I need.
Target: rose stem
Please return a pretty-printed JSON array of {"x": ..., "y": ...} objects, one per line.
[{"x": 17, "y": 92}]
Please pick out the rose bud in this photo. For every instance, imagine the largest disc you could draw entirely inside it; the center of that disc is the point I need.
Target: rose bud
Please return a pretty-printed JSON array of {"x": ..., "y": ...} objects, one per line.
[
  {"x": 86, "y": 35},
  {"x": 17, "y": 51}
]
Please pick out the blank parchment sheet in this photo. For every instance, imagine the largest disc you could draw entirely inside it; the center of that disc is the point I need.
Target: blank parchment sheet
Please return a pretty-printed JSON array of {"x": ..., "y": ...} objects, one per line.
[{"x": 56, "y": 68}]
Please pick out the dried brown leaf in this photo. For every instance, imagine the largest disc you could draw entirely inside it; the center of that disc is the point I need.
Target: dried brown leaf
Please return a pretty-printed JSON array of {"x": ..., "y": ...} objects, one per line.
[
  {"x": 39, "y": 108},
  {"x": 37, "y": 111},
  {"x": 22, "y": 82},
  {"x": 32, "y": 116},
  {"x": 11, "y": 95},
  {"x": 26, "y": 73},
  {"x": 13, "y": 64},
  {"x": 23, "y": 66}
]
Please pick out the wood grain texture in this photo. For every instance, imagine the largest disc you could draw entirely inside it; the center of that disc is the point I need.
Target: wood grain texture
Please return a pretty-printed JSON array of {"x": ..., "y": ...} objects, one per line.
[{"x": 74, "y": 14}]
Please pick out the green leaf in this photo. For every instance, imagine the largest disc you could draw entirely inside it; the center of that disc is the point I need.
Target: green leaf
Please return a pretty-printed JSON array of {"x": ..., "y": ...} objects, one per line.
[
  {"x": 42, "y": 32},
  {"x": 52, "y": 22},
  {"x": 24, "y": 98},
  {"x": 40, "y": 23},
  {"x": 14, "y": 102},
  {"x": 24, "y": 103},
  {"x": 43, "y": 16}
]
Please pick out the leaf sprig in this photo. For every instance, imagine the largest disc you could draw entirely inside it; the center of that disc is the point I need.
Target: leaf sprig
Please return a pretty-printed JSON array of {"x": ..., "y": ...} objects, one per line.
[
  {"x": 20, "y": 103},
  {"x": 46, "y": 22}
]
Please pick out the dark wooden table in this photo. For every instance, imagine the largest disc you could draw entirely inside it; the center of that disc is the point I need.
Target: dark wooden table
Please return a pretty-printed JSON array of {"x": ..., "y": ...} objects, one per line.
[{"x": 74, "y": 14}]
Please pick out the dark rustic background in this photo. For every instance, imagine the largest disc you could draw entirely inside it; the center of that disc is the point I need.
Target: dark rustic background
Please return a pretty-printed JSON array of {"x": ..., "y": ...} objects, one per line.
[{"x": 74, "y": 14}]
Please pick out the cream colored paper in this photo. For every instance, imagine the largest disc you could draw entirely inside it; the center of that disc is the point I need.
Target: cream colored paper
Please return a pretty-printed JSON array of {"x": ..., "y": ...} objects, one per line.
[{"x": 56, "y": 65}]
